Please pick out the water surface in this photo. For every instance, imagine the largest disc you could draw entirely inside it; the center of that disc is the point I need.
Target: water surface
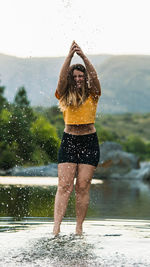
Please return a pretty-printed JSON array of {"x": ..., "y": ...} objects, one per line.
[
  {"x": 104, "y": 243},
  {"x": 116, "y": 229},
  {"x": 109, "y": 199}
]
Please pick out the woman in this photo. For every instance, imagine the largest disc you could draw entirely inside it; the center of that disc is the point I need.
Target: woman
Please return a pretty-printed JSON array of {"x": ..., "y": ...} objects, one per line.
[{"x": 78, "y": 92}]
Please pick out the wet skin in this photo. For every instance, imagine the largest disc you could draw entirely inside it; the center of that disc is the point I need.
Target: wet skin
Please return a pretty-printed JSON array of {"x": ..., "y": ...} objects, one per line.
[
  {"x": 78, "y": 77},
  {"x": 79, "y": 129}
]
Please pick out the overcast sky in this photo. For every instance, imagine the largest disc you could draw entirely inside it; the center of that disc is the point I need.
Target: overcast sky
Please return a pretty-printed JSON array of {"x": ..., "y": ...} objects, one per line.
[{"x": 30, "y": 28}]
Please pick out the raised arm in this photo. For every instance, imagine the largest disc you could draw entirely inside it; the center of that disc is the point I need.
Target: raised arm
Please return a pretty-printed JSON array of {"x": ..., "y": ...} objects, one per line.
[
  {"x": 94, "y": 81},
  {"x": 62, "y": 82}
]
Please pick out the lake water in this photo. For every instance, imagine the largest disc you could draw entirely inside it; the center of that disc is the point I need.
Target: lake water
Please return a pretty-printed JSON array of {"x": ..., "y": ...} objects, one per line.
[
  {"x": 108, "y": 199},
  {"x": 116, "y": 229}
]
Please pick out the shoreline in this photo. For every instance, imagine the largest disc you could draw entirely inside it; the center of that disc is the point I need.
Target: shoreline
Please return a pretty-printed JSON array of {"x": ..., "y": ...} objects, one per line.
[{"x": 36, "y": 180}]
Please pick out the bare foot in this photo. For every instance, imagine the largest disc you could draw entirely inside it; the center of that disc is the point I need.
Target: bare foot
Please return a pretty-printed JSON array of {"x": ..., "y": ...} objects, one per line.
[
  {"x": 79, "y": 230},
  {"x": 56, "y": 230}
]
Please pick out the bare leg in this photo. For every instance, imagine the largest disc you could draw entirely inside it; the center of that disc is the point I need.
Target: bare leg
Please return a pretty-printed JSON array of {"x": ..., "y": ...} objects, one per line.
[
  {"x": 85, "y": 174},
  {"x": 66, "y": 174}
]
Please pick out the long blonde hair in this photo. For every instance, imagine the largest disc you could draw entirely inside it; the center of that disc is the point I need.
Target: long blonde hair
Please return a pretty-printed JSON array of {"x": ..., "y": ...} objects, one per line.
[{"x": 73, "y": 96}]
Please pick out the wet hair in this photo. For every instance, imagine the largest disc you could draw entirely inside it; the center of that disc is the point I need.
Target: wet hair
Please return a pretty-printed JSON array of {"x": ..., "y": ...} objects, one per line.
[{"x": 72, "y": 95}]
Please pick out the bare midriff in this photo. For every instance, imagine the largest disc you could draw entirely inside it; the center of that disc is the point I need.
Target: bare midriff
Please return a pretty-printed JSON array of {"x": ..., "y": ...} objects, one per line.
[{"x": 80, "y": 129}]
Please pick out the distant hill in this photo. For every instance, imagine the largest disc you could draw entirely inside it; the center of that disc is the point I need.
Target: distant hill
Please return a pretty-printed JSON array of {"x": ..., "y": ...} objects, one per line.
[
  {"x": 38, "y": 75},
  {"x": 125, "y": 83},
  {"x": 125, "y": 80}
]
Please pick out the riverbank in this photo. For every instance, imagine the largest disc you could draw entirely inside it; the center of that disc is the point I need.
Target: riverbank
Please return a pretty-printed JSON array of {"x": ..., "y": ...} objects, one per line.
[
  {"x": 15, "y": 180},
  {"x": 113, "y": 243}
]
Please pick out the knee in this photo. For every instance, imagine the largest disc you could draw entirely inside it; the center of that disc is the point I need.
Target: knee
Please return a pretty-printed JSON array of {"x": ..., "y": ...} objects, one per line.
[
  {"x": 82, "y": 188},
  {"x": 65, "y": 189}
]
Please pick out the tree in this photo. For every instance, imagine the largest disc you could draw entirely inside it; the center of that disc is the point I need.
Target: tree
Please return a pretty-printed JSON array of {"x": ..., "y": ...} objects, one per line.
[
  {"x": 46, "y": 137},
  {"x": 21, "y": 99},
  {"x": 20, "y": 123},
  {"x": 7, "y": 155},
  {"x": 5, "y": 117},
  {"x": 3, "y": 100}
]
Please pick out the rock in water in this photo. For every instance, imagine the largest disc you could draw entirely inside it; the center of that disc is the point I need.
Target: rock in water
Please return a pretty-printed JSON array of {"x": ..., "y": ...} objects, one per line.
[
  {"x": 114, "y": 162},
  {"x": 48, "y": 170}
]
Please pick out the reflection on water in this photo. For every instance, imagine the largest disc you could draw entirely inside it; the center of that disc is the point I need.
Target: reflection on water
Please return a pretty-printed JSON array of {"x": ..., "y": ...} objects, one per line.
[
  {"x": 26, "y": 201},
  {"x": 111, "y": 199},
  {"x": 121, "y": 199}
]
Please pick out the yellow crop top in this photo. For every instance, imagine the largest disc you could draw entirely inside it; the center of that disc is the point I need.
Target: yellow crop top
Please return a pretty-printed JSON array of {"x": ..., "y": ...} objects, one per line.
[{"x": 83, "y": 114}]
